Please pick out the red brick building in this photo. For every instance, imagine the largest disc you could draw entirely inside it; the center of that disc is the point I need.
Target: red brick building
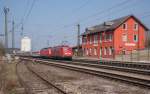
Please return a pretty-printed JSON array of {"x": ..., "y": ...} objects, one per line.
[{"x": 114, "y": 37}]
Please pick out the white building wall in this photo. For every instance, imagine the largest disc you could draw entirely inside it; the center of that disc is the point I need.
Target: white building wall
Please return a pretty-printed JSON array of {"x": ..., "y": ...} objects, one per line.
[{"x": 26, "y": 44}]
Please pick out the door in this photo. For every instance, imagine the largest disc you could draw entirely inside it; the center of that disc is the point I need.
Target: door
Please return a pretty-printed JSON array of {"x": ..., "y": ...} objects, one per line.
[{"x": 100, "y": 52}]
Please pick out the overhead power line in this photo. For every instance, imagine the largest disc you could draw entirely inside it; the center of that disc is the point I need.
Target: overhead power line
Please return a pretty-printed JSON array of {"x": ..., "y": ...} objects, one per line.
[
  {"x": 29, "y": 12},
  {"x": 147, "y": 15},
  {"x": 80, "y": 7},
  {"x": 98, "y": 13},
  {"x": 26, "y": 10},
  {"x": 26, "y": 14},
  {"x": 106, "y": 10},
  {"x": 124, "y": 4},
  {"x": 72, "y": 13},
  {"x": 120, "y": 9},
  {"x": 77, "y": 9}
]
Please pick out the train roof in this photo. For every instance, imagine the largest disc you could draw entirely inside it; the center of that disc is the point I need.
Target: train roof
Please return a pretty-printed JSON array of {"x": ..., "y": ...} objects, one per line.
[
  {"x": 46, "y": 48},
  {"x": 63, "y": 46}
]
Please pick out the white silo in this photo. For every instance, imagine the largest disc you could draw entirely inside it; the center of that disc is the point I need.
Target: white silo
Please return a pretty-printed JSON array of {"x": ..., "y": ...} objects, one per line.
[{"x": 26, "y": 44}]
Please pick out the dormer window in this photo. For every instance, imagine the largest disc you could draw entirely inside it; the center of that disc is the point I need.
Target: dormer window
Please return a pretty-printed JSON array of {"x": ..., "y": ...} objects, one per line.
[
  {"x": 124, "y": 26},
  {"x": 136, "y": 26}
]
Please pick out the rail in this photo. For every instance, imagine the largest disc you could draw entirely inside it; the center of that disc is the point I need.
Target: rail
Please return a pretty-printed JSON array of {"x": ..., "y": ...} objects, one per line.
[
  {"x": 28, "y": 90},
  {"x": 136, "y": 79}
]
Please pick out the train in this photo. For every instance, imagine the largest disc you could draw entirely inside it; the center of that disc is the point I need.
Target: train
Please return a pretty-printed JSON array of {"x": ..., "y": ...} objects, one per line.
[{"x": 57, "y": 52}]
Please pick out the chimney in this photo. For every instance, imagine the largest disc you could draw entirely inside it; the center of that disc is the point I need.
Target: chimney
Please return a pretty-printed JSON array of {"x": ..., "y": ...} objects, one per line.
[{"x": 86, "y": 29}]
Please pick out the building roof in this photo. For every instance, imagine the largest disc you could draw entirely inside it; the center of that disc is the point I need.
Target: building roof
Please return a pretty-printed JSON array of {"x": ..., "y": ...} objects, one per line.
[{"x": 111, "y": 25}]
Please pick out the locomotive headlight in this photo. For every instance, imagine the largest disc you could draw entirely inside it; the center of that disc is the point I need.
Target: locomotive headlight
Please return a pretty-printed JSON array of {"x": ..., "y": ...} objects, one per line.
[{"x": 68, "y": 53}]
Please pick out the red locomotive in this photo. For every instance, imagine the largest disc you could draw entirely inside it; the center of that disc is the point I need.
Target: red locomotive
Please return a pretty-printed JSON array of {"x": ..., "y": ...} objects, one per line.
[
  {"x": 45, "y": 52},
  {"x": 58, "y": 52}
]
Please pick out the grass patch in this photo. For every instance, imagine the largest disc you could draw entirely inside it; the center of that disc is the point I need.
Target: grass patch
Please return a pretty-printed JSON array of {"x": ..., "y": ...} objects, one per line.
[{"x": 8, "y": 78}]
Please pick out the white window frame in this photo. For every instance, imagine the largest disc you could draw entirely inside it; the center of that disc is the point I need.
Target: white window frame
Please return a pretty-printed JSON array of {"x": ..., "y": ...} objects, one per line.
[
  {"x": 105, "y": 51},
  {"x": 136, "y": 26},
  {"x": 124, "y": 38},
  {"x": 95, "y": 51},
  {"x": 110, "y": 50},
  {"x": 87, "y": 51},
  {"x": 100, "y": 38},
  {"x": 100, "y": 51},
  {"x": 105, "y": 37},
  {"x": 110, "y": 37},
  {"x": 125, "y": 24},
  {"x": 90, "y": 39},
  {"x": 90, "y": 51},
  {"x": 95, "y": 39},
  {"x": 136, "y": 38}
]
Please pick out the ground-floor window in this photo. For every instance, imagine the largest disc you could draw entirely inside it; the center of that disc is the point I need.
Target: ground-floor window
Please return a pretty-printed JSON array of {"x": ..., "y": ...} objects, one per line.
[
  {"x": 100, "y": 52},
  {"x": 110, "y": 50},
  {"x": 123, "y": 52},
  {"x": 87, "y": 53},
  {"x": 105, "y": 50},
  {"x": 90, "y": 51},
  {"x": 95, "y": 51}
]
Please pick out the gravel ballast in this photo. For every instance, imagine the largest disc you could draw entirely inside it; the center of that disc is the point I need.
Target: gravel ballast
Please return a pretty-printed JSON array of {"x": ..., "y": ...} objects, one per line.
[{"x": 80, "y": 83}]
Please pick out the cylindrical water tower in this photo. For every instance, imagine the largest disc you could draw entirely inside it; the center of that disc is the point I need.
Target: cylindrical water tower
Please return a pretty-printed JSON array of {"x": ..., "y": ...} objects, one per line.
[{"x": 26, "y": 44}]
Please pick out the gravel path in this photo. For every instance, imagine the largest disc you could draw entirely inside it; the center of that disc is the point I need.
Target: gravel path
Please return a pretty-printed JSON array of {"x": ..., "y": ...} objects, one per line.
[
  {"x": 80, "y": 83},
  {"x": 35, "y": 85}
]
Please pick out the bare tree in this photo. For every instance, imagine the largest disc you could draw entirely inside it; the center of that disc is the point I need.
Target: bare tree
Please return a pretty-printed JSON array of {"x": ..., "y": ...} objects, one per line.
[{"x": 2, "y": 49}]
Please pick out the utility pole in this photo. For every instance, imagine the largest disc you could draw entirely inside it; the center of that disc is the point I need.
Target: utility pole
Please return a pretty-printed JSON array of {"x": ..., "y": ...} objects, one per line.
[
  {"x": 78, "y": 39},
  {"x": 22, "y": 30},
  {"x": 6, "y": 10},
  {"x": 13, "y": 35},
  {"x": 47, "y": 43}
]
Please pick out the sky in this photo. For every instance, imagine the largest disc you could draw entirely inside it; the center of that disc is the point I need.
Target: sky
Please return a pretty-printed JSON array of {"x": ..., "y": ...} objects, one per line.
[{"x": 50, "y": 22}]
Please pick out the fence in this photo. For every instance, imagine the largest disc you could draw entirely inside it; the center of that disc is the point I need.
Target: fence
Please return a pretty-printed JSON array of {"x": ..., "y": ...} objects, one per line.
[{"x": 136, "y": 55}]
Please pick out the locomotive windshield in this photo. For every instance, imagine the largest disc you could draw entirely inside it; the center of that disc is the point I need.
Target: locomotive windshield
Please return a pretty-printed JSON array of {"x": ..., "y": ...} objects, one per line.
[{"x": 65, "y": 49}]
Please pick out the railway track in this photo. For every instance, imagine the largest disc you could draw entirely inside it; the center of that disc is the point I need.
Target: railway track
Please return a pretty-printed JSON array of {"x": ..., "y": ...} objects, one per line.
[
  {"x": 34, "y": 82},
  {"x": 134, "y": 78},
  {"x": 137, "y": 65},
  {"x": 103, "y": 66},
  {"x": 133, "y": 65}
]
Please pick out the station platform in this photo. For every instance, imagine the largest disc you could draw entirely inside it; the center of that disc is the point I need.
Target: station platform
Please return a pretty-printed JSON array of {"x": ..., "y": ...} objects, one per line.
[
  {"x": 105, "y": 59},
  {"x": 85, "y": 58},
  {"x": 90, "y": 58}
]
